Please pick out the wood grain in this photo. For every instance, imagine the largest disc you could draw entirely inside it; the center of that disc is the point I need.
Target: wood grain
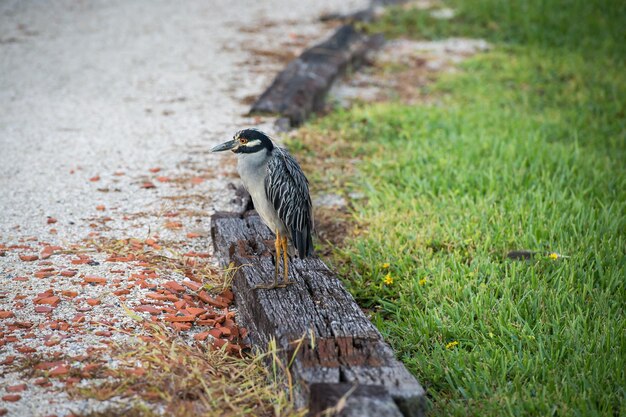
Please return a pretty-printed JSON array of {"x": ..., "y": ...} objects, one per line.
[{"x": 315, "y": 322}]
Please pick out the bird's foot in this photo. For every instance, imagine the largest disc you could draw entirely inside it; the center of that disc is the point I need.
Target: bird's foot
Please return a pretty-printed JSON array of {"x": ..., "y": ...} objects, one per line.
[{"x": 273, "y": 285}]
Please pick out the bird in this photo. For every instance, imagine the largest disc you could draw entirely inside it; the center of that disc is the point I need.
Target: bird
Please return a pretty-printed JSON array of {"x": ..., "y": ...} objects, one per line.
[{"x": 279, "y": 191}]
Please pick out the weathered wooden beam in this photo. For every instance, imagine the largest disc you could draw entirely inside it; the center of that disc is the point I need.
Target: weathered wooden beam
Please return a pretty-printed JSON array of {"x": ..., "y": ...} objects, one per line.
[
  {"x": 316, "y": 323},
  {"x": 300, "y": 89}
]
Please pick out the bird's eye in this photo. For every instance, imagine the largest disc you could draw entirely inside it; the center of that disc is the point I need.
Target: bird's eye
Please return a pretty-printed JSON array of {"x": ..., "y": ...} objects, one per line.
[{"x": 243, "y": 141}]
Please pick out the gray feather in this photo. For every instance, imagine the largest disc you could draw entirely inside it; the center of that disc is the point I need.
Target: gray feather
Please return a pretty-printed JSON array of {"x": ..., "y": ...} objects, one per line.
[{"x": 288, "y": 190}]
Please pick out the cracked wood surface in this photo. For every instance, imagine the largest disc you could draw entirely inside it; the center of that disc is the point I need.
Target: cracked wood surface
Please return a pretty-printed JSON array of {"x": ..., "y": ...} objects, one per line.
[
  {"x": 300, "y": 89},
  {"x": 317, "y": 322}
]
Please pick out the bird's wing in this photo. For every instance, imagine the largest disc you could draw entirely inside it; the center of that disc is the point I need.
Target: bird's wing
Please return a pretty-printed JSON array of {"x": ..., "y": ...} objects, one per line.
[{"x": 288, "y": 190}]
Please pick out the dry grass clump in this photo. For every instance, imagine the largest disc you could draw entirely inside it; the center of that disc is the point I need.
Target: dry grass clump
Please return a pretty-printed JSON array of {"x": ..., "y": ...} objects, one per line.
[{"x": 170, "y": 377}]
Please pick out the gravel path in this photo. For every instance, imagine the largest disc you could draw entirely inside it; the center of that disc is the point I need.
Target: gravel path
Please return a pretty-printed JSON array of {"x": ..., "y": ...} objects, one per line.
[{"x": 106, "y": 184}]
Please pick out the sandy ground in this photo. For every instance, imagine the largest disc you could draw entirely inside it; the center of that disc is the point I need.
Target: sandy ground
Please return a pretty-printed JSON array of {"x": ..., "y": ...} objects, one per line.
[{"x": 109, "y": 109}]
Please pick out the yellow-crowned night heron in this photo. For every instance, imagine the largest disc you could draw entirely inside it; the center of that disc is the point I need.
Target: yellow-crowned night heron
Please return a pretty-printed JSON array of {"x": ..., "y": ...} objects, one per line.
[{"x": 279, "y": 190}]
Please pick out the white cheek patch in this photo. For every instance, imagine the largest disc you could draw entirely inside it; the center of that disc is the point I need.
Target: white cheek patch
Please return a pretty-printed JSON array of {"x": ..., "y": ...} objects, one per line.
[{"x": 253, "y": 143}]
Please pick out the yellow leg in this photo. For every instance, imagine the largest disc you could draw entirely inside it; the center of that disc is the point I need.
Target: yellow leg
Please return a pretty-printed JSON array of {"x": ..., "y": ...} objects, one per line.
[
  {"x": 283, "y": 243},
  {"x": 277, "y": 260},
  {"x": 280, "y": 243}
]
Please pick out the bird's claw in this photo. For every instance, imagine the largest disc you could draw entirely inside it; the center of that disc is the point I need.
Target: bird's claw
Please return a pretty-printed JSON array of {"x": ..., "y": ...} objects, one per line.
[{"x": 273, "y": 285}]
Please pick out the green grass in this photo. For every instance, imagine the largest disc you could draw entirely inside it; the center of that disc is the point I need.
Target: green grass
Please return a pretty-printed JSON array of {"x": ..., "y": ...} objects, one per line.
[{"x": 524, "y": 150}]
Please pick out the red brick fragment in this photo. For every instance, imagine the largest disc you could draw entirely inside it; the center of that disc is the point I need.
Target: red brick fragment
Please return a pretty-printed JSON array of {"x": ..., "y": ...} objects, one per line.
[
  {"x": 25, "y": 349},
  {"x": 93, "y": 301},
  {"x": 193, "y": 286},
  {"x": 95, "y": 178},
  {"x": 40, "y": 381},
  {"x": 43, "y": 274},
  {"x": 6, "y": 314},
  {"x": 79, "y": 318},
  {"x": 180, "y": 318},
  {"x": 195, "y": 311},
  {"x": 3, "y": 411},
  {"x": 100, "y": 207},
  {"x": 175, "y": 286},
  {"x": 216, "y": 332},
  {"x": 156, "y": 296},
  {"x": 218, "y": 343},
  {"x": 151, "y": 242},
  {"x": 208, "y": 315},
  {"x": 228, "y": 295},
  {"x": 53, "y": 301},
  {"x": 180, "y": 304},
  {"x": 234, "y": 332},
  {"x": 105, "y": 333},
  {"x": 21, "y": 279},
  {"x": 201, "y": 336},
  {"x": 43, "y": 309},
  {"x": 29, "y": 258},
  {"x": 148, "y": 309},
  {"x": 90, "y": 368},
  {"x": 51, "y": 220},
  {"x": 49, "y": 250},
  {"x": 193, "y": 235},
  {"x": 42, "y": 366},
  {"x": 181, "y": 326},
  {"x": 204, "y": 296},
  {"x": 193, "y": 254},
  {"x": 171, "y": 297},
  {"x": 59, "y": 371},
  {"x": 8, "y": 360},
  {"x": 148, "y": 185},
  {"x": 68, "y": 273},
  {"x": 234, "y": 349},
  {"x": 95, "y": 280},
  {"x": 52, "y": 342},
  {"x": 206, "y": 322},
  {"x": 11, "y": 398},
  {"x": 155, "y": 170},
  {"x": 71, "y": 381},
  {"x": 173, "y": 225},
  {"x": 17, "y": 388},
  {"x": 69, "y": 294},
  {"x": 136, "y": 371}
]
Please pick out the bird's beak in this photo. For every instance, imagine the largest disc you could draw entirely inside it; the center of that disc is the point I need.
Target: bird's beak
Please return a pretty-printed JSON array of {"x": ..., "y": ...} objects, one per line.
[{"x": 226, "y": 146}]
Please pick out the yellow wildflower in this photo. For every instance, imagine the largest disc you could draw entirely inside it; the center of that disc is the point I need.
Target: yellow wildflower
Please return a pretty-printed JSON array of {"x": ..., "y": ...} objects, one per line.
[
  {"x": 386, "y": 265},
  {"x": 422, "y": 281},
  {"x": 451, "y": 344},
  {"x": 554, "y": 256},
  {"x": 491, "y": 335},
  {"x": 388, "y": 280}
]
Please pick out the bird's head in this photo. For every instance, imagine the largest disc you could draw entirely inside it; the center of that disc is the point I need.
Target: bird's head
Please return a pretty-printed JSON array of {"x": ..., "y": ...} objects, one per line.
[{"x": 246, "y": 141}]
